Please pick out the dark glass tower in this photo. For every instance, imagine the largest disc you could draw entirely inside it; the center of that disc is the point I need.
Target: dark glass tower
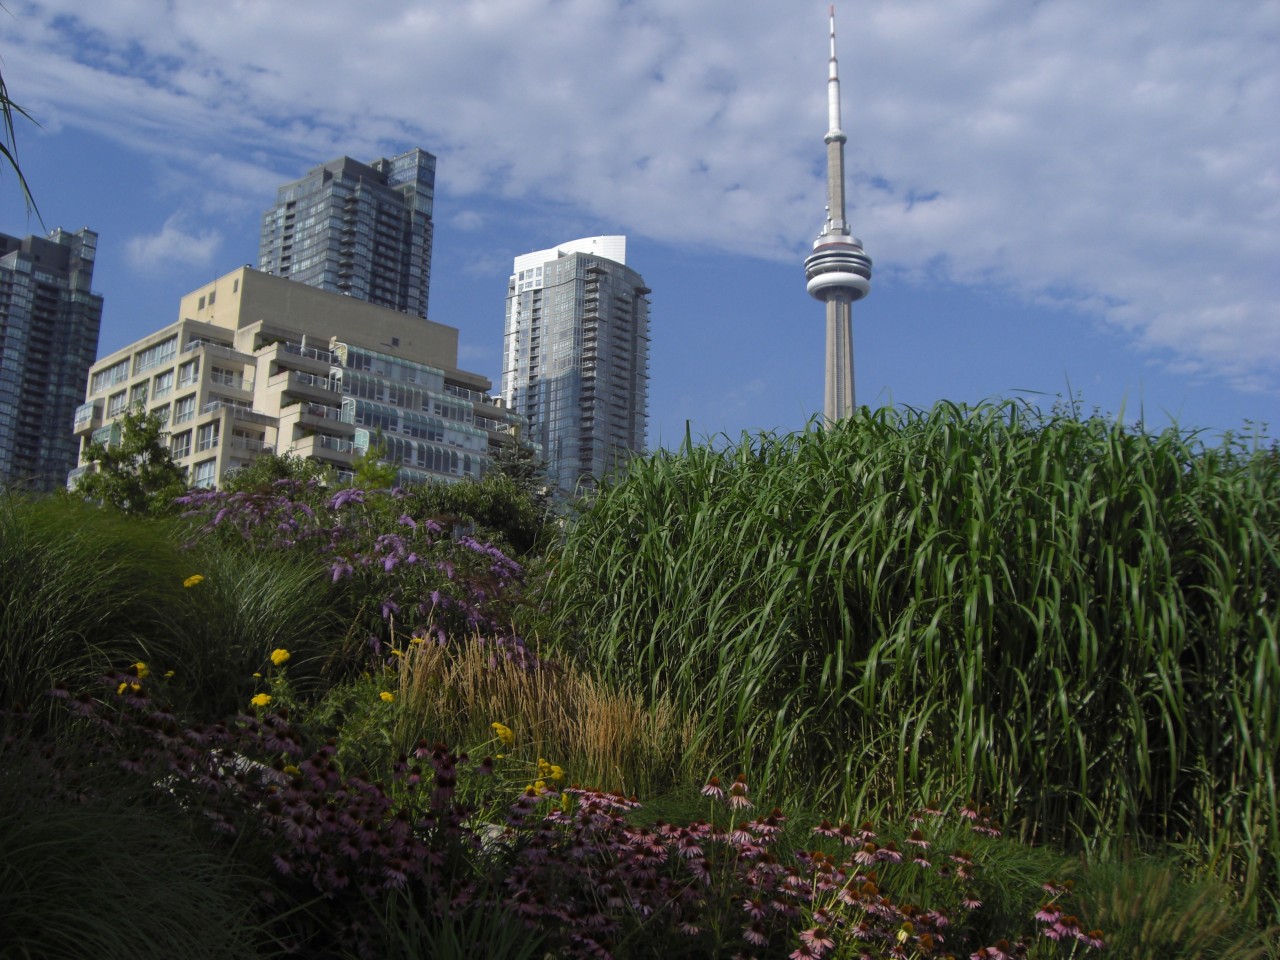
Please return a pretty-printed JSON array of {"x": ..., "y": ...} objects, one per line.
[
  {"x": 49, "y": 321},
  {"x": 360, "y": 229}
]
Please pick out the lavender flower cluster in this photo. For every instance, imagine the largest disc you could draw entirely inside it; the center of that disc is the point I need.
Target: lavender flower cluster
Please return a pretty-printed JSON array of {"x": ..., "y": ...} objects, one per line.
[{"x": 427, "y": 583}]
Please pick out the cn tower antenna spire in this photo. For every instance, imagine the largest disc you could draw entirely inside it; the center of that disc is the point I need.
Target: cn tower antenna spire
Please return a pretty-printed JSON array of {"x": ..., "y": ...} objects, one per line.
[{"x": 838, "y": 271}]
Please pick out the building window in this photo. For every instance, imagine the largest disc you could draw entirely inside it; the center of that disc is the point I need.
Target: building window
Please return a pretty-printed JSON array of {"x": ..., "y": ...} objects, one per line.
[
  {"x": 138, "y": 395},
  {"x": 109, "y": 377},
  {"x": 155, "y": 355},
  {"x": 184, "y": 409},
  {"x": 162, "y": 414},
  {"x": 180, "y": 444},
  {"x": 163, "y": 385},
  {"x": 117, "y": 403},
  {"x": 227, "y": 378},
  {"x": 207, "y": 437},
  {"x": 203, "y": 473},
  {"x": 188, "y": 372}
]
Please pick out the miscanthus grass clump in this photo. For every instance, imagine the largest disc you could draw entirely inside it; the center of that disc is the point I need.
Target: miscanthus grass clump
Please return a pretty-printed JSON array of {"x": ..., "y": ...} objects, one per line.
[{"x": 1073, "y": 619}]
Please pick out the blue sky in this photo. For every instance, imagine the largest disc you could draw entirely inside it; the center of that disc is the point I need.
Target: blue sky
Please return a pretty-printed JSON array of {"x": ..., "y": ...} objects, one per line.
[{"x": 1058, "y": 196}]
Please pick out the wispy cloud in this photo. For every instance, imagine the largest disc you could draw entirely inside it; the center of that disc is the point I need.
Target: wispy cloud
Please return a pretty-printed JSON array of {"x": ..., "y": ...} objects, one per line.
[
  {"x": 1121, "y": 158},
  {"x": 172, "y": 245}
]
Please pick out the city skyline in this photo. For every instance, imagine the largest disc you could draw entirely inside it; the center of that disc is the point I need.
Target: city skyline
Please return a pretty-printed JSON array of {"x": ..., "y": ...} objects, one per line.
[{"x": 1056, "y": 208}]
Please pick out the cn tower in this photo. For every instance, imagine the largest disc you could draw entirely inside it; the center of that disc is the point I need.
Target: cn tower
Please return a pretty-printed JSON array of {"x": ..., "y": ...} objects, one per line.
[{"x": 838, "y": 270}]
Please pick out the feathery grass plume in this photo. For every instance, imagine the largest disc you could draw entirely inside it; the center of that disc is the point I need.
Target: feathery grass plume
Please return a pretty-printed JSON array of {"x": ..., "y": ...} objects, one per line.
[
  {"x": 1072, "y": 618},
  {"x": 604, "y": 734}
]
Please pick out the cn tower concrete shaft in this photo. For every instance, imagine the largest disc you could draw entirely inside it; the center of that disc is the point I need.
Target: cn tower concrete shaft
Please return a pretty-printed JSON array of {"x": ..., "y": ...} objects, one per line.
[{"x": 838, "y": 271}]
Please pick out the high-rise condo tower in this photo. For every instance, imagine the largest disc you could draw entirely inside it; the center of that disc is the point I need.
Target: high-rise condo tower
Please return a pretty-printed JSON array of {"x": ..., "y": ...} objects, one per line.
[
  {"x": 576, "y": 357},
  {"x": 361, "y": 229},
  {"x": 49, "y": 320},
  {"x": 838, "y": 270}
]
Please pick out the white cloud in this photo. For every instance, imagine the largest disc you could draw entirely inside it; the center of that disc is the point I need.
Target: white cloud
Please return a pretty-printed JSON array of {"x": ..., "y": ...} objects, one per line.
[
  {"x": 1118, "y": 157},
  {"x": 467, "y": 220},
  {"x": 172, "y": 246}
]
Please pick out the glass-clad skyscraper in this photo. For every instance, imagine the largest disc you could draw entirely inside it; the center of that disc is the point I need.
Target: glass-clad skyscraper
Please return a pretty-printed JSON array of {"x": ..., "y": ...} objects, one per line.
[
  {"x": 576, "y": 357},
  {"x": 49, "y": 320},
  {"x": 364, "y": 230}
]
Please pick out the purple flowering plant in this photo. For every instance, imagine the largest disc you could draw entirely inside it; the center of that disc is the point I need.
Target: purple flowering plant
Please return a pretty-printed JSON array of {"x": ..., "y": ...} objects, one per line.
[{"x": 405, "y": 579}]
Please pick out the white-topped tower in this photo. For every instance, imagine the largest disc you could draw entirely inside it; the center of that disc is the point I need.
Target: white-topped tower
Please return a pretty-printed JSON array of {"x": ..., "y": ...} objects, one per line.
[{"x": 838, "y": 270}]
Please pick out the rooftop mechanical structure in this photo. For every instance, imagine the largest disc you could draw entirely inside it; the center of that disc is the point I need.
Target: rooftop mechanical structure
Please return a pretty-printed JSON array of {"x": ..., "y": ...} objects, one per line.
[{"x": 838, "y": 270}]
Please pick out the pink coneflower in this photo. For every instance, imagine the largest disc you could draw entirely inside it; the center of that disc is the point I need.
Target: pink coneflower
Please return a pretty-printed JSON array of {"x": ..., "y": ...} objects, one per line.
[
  {"x": 1092, "y": 939},
  {"x": 738, "y": 794},
  {"x": 817, "y": 939},
  {"x": 713, "y": 789},
  {"x": 755, "y": 934},
  {"x": 998, "y": 952},
  {"x": 889, "y": 853},
  {"x": 804, "y": 952},
  {"x": 754, "y": 908},
  {"x": 969, "y": 811},
  {"x": 1049, "y": 913},
  {"x": 971, "y": 901},
  {"x": 866, "y": 854},
  {"x": 1069, "y": 926},
  {"x": 920, "y": 861},
  {"x": 917, "y": 838}
]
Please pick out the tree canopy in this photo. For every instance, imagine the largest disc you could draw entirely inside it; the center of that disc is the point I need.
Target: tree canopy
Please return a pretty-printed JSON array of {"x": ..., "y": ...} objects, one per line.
[{"x": 136, "y": 472}]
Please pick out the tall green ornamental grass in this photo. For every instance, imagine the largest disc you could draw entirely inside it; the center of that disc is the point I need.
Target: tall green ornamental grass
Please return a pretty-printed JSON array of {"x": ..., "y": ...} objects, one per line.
[
  {"x": 82, "y": 591},
  {"x": 1072, "y": 620}
]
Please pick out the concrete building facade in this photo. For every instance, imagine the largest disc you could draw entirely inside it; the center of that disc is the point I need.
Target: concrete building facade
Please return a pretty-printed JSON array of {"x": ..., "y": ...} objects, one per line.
[
  {"x": 49, "y": 323},
  {"x": 576, "y": 357},
  {"x": 364, "y": 230},
  {"x": 259, "y": 364}
]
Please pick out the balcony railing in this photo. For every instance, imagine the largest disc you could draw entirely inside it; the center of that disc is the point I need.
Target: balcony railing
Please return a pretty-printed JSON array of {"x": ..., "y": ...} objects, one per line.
[
  {"x": 334, "y": 443},
  {"x": 226, "y": 378},
  {"x": 298, "y": 350},
  {"x": 251, "y": 444}
]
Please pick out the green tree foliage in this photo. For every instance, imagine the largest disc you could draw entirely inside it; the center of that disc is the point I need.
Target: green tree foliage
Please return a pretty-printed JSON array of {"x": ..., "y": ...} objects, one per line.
[
  {"x": 135, "y": 474},
  {"x": 263, "y": 472},
  {"x": 372, "y": 471},
  {"x": 517, "y": 459},
  {"x": 496, "y": 508}
]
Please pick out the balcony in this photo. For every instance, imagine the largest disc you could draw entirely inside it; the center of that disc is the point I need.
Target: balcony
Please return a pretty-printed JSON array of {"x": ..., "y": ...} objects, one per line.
[
  {"x": 324, "y": 446},
  {"x": 307, "y": 386},
  {"x": 228, "y": 378},
  {"x": 87, "y": 415},
  {"x": 250, "y": 445}
]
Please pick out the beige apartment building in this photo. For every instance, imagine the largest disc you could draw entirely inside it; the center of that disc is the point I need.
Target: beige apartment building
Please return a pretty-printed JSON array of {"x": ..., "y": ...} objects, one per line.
[{"x": 258, "y": 363}]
